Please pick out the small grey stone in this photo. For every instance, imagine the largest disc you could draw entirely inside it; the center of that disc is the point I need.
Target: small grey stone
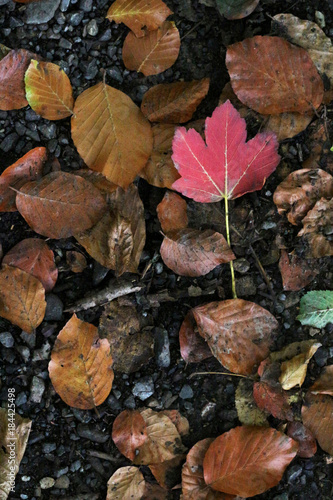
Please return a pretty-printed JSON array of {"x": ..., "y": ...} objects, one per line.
[
  {"x": 9, "y": 142},
  {"x": 86, "y": 5},
  {"x": 3, "y": 2},
  {"x": 75, "y": 466},
  {"x": 321, "y": 356},
  {"x": 49, "y": 447},
  {"x": 144, "y": 388},
  {"x": 106, "y": 36},
  {"x": 115, "y": 74},
  {"x": 6, "y": 339},
  {"x": 82, "y": 415},
  {"x": 62, "y": 483},
  {"x": 76, "y": 18},
  {"x": 42, "y": 353},
  {"x": 61, "y": 472},
  {"x": 49, "y": 130},
  {"x": 113, "y": 403},
  {"x": 92, "y": 434},
  {"x": 208, "y": 410},
  {"x": 92, "y": 28},
  {"x": 159, "y": 268},
  {"x": 25, "y": 352},
  {"x": 91, "y": 70},
  {"x": 241, "y": 265},
  {"x": 283, "y": 496},
  {"x": 245, "y": 286},
  {"x": 21, "y": 399},
  {"x": 162, "y": 348},
  {"x": 65, "y": 44},
  {"x": 41, "y": 12},
  {"x": 268, "y": 225},
  {"x": 294, "y": 472},
  {"x": 46, "y": 483},
  {"x": 99, "y": 273},
  {"x": 130, "y": 403},
  {"x": 186, "y": 392},
  {"x": 37, "y": 389},
  {"x": 54, "y": 308},
  {"x": 29, "y": 338},
  {"x": 64, "y": 5}
]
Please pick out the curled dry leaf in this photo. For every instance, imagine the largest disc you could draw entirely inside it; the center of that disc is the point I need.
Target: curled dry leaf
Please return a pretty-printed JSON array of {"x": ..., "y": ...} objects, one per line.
[
  {"x": 140, "y": 15},
  {"x": 34, "y": 257},
  {"x": 76, "y": 261},
  {"x": 296, "y": 272},
  {"x": 239, "y": 333},
  {"x": 324, "y": 384},
  {"x": 193, "y": 348},
  {"x": 299, "y": 192},
  {"x": 293, "y": 371},
  {"x": 22, "y": 298},
  {"x": 120, "y": 138},
  {"x": 247, "y": 410},
  {"x": 317, "y": 229},
  {"x": 126, "y": 483},
  {"x": 317, "y": 417},
  {"x": 304, "y": 437},
  {"x": 155, "y": 52},
  {"x": 236, "y": 9},
  {"x": 28, "y": 168},
  {"x": 60, "y": 204},
  {"x": 192, "y": 252},
  {"x": 172, "y": 212},
  {"x": 81, "y": 365},
  {"x": 229, "y": 469},
  {"x": 271, "y": 76},
  {"x": 272, "y": 399},
  {"x": 129, "y": 432},
  {"x": 174, "y": 102},
  {"x": 12, "y": 70}
]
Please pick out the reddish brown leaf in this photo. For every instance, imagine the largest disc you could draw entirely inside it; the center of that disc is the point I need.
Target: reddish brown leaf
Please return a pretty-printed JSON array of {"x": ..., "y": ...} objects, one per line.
[
  {"x": 129, "y": 432},
  {"x": 296, "y": 272},
  {"x": 305, "y": 439},
  {"x": 155, "y": 492},
  {"x": 27, "y": 168},
  {"x": 270, "y": 75},
  {"x": 60, "y": 204},
  {"x": 299, "y": 192},
  {"x": 192, "y": 252},
  {"x": 238, "y": 332},
  {"x": 273, "y": 399},
  {"x": 248, "y": 460},
  {"x": 76, "y": 261},
  {"x": 34, "y": 257},
  {"x": 324, "y": 384},
  {"x": 172, "y": 212},
  {"x": 168, "y": 473},
  {"x": 317, "y": 229},
  {"x": 287, "y": 125},
  {"x": 193, "y": 348},
  {"x": 317, "y": 416},
  {"x": 98, "y": 180},
  {"x": 126, "y": 483},
  {"x": 181, "y": 423},
  {"x": 12, "y": 70}
]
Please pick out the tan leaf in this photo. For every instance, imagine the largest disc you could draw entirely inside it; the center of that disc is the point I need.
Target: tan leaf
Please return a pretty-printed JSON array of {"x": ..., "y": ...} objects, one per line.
[
  {"x": 172, "y": 212},
  {"x": 295, "y": 271},
  {"x": 12, "y": 69},
  {"x": 181, "y": 423},
  {"x": 317, "y": 229},
  {"x": 247, "y": 409},
  {"x": 126, "y": 483},
  {"x": 293, "y": 371},
  {"x": 193, "y": 348},
  {"x": 317, "y": 416},
  {"x": 324, "y": 384},
  {"x": 304, "y": 437},
  {"x": 119, "y": 136},
  {"x": 155, "y": 52},
  {"x": 239, "y": 333},
  {"x": 81, "y": 365},
  {"x": 60, "y": 204},
  {"x": 129, "y": 432},
  {"x": 192, "y": 252},
  {"x": 174, "y": 102},
  {"x": 22, "y": 298}
]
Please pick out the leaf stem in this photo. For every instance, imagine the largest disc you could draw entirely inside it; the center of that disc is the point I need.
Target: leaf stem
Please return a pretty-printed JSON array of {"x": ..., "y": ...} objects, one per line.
[{"x": 227, "y": 228}]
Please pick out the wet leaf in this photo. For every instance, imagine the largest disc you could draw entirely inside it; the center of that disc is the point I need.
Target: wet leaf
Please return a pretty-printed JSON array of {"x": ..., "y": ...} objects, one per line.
[
  {"x": 228, "y": 166},
  {"x": 295, "y": 271},
  {"x": 60, "y": 204},
  {"x": 120, "y": 137},
  {"x": 33, "y": 256},
  {"x": 129, "y": 432},
  {"x": 293, "y": 371},
  {"x": 22, "y": 298},
  {"x": 299, "y": 192},
  {"x": 76, "y": 261},
  {"x": 236, "y": 9},
  {"x": 272, "y": 399},
  {"x": 126, "y": 483},
  {"x": 81, "y": 365},
  {"x": 316, "y": 308},
  {"x": 270, "y": 75},
  {"x": 324, "y": 384},
  {"x": 228, "y": 468},
  {"x": 139, "y": 16},
  {"x": 168, "y": 473},
  {"x": 155, "y": 52},
  {"x": 238, "y": 332},
  {"x": 247, "y": 409},
  {"x": 192, "y": 252},
  {"x": 193, "y": 348},
  {"x": 12, "y": 69},
  {"x": 305, "y": 439},
  {"x": 317, "y": 417},
  {"x": 172, "y": 212},
  {"x": 318, "y": 229},
  {"x": 174, "y": 102}
]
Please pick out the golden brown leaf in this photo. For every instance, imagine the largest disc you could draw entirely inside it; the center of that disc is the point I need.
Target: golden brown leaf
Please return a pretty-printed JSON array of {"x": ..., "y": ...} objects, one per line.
[
  {"x": 324, "y": 384},
  {"x": 172, "y": 212},
  {"x": 126, "y": 483},
  {"x": 167, "y": 474},
  {"x": 12, "y": 69},
  {"x": 293, "y": 371},
  {"x": 317, "y": 413},
  {"x": 181, "y": 423},
  {"x": 318, "y": 229}
]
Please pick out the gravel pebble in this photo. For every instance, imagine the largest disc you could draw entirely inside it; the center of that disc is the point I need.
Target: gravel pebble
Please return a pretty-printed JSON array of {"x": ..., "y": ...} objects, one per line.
[
  {"x": 54, "y": 308},
  {"x": 37, "y": 389},
  {"x": 46, "y": 483},
  {"x": 41, "y": 12},
  {"x": 162, "y": 348},
  {"x": 6, "y": 339},
  {"x": 294, "y": 472},
  {"x": 144, "y": 388},
  {"x": 92, "y": 434},
  {"x": 186, "y": 392}
]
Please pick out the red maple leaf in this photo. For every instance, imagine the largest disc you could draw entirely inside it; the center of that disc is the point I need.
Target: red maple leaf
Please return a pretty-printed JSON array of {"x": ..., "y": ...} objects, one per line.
[{"x": 227, "y": 166}]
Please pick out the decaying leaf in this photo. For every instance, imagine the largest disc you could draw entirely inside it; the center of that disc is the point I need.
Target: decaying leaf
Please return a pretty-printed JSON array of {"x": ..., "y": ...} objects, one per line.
[
  {"x": 192, "y": 252},
  {"x": 270, "y": 75},
  {"x": 231, "y": 469},
  {"x": 324, "y": 384},
  {"x": 293, "y": 371},
  {"x": 193, "y": 348},
  {"x": 22, "y": 298},
  {"x": 317, "y": 413},
  {"x": 111, "y": 134},
  {"x": 236, "y": 9},
  {"x": 60, "y": 204},
  {"x": 155, "y": 492},
  {"x": 4, "y": 51},
  {"x": 12, "y": 69},
  {"x": 33, "y": 256},
  {"x": 296, "y": 272},
  {"x": 304, "y": 437},
  {"x": 172, "y": 212},
  {"x": 81, "y": 365},
  {"x": 126, "y": 483},
  {"x": 129, "y": 432},
  {"x": 272, "y": 399},
  {"x": 76, "y": 261},
  {"x": 299, "y": 192},
  {"x": 318, "y": 229},
  {"x": 174, "y": 102},
  {"x": 316, "y": 308},
  {"x": 153, "y": 53},
  {"x": 239, "y": 333},
  {"x": 140, "y": 15},
  {"x": 247, "y": 409}
]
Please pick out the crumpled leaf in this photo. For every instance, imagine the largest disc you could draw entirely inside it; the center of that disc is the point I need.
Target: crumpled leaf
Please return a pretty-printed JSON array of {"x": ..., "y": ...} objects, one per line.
[
  {"x": 304, "y": 437},
  {"x": 22, "y": 298},
  {"x": 239, "y": 333},
  {"x": 129, "y": 432},
  {"x": 316, "y": 308},
  {"x": 172, "y": 212},
  {"x": 270, "y": 75},
  {"x": 231, "y": 469},
  {"x": 324, "y": 384},
  {"x": 155, "y": 492},
  {"x": 174, "y": 102},
  {"x": 318, "y": 229},
  {"x": 295, "y": 271},
  {"x": 126, "y": 483},
  {"x": 192, "y": 252},
  {"x": 299, "y": 192},
  {"x": 81, "y": 365},
  {"x": 228, "y": 166},
  {"x": 293, "y": 371},
  {"x": 12, "y": 70},
  {"x": 247, "y": 409},
  {"x": 236, "y": 9},
  {"x": 155, "y": 52},
  {"x": 193, "y": 348},
  {"x": 317, "y": 413}
]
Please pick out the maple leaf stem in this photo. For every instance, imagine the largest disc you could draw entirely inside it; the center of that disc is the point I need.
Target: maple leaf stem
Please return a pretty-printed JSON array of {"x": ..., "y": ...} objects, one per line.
[{"x": 227, "y": 228}]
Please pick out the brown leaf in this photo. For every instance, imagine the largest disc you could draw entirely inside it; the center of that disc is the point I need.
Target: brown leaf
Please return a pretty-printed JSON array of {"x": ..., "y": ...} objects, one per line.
[
  {"x": 272, "y": 399},
  {"x": 181, "y": 423},
  {"x": 155, "y": 492},
  {"x": 12, "y": 70},
  {"x": 305, "y": 439},
  {"x": 28, "y": 168},
  {"x": 174, "y": 102},
  {"x": 126, "y": 483},
  {"x": 238, "y": 332},
  {"x": 60, "y": 204},
  {"x": 317, "y": 417},
  {"x": 324, "y": 384},
  {"x": 34, "y": 257},
  {"x": 317, "y": 229},
  {"x": 120, "y": 137},
  {"x": 295, "y": 271},
  {"x": 168, "y": 473},
  {"x": 299, "y": 192},
  {"x": 228, "y": 468},
  {"x": 76, "y": 261},
  {"x": 236, "y": 9},
  {"x": 129, "y": 432},
  {"x": 193, "y": 348},
  {"x": 272, "y": 76},
  {"x": 192, "y": 252},
  {"x": 293, "y": 371},
  {"x": 247, "y": 410},
  {"x": 153, "y": 53},
  {"x": 172, "y": 212},
  {"x": 139, "y": 16},
  {"x": 287, "y": 125},
  {"x": 81, "y": 365},
  {"x": 292, "y": 350},
  {"x": 319, "y": 144},
  {"x": 98, "y": 180}
]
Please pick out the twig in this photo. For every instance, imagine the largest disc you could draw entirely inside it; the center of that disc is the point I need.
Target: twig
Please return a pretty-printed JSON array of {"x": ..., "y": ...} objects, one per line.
[
  {"x": 104, "y": 456},
  {"x": 190, "y": 31},
  {"x": 219, "y": 373}
]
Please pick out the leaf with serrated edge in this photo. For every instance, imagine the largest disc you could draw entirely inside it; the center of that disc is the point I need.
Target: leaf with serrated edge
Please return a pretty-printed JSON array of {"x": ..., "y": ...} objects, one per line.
[
  {"x": 126, "y": 483},
  {"x": 316, "y": 308}
]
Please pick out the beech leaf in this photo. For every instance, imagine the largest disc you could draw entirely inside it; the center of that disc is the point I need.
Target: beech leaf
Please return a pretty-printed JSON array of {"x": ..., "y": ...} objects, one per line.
[
  {"x": 129, "y": 432},
  {"x": 304, "y": 437},
  {"x": 126, "y": 483},
  {"x": 316, "y": 308},
  {"x": 193, "y": 348},
  {"x": 324, "y": 384},
  {"x": 317, "y": 229},
  {"x": 317, "y": 413},
  {"x": 236, "y": 9},
  {"x": 172, "y": 212},
  {"x": 272, "y": 399},
  {"x": 296, "y": 272},
  {"x": 247, "y": 409},
  {"x": 293, "y": 371},
  {"x": 12, "y": 70}
]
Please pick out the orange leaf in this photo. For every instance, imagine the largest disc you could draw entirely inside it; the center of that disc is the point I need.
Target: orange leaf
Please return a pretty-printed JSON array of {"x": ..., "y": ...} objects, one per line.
[
  {"x": 22, "y": 298},
  {"x": 126, "y": 483},
  {"x": 305, "y": 439},
  {"x": 60, "y": 204},
  {"x": 12, "y": 70},
  {"x": 34, "y": 257},
  {"x": 97, "y": 179},
  {"x": 324, "y": 384},
  {"x": 317, "y": 229},
  {"x": 81, "y": 365},
  {"x": 193, "y": 348},
  {"x": 153, "y": 53},
  {"x": 129, "y": 432},
  {"x": 167, "y": 474},
  {"x": 317, "y": 414},
  {"x": 172, "y": 212},
  {"x": 296, "y": 272},
  {"x": 248, "y": 460},
  {"x": 270, "y": 75}
]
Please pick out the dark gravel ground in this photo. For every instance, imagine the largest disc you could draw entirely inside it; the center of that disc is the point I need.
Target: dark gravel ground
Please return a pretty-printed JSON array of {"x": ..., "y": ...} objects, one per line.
[{"x": 64, "y": 441}]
